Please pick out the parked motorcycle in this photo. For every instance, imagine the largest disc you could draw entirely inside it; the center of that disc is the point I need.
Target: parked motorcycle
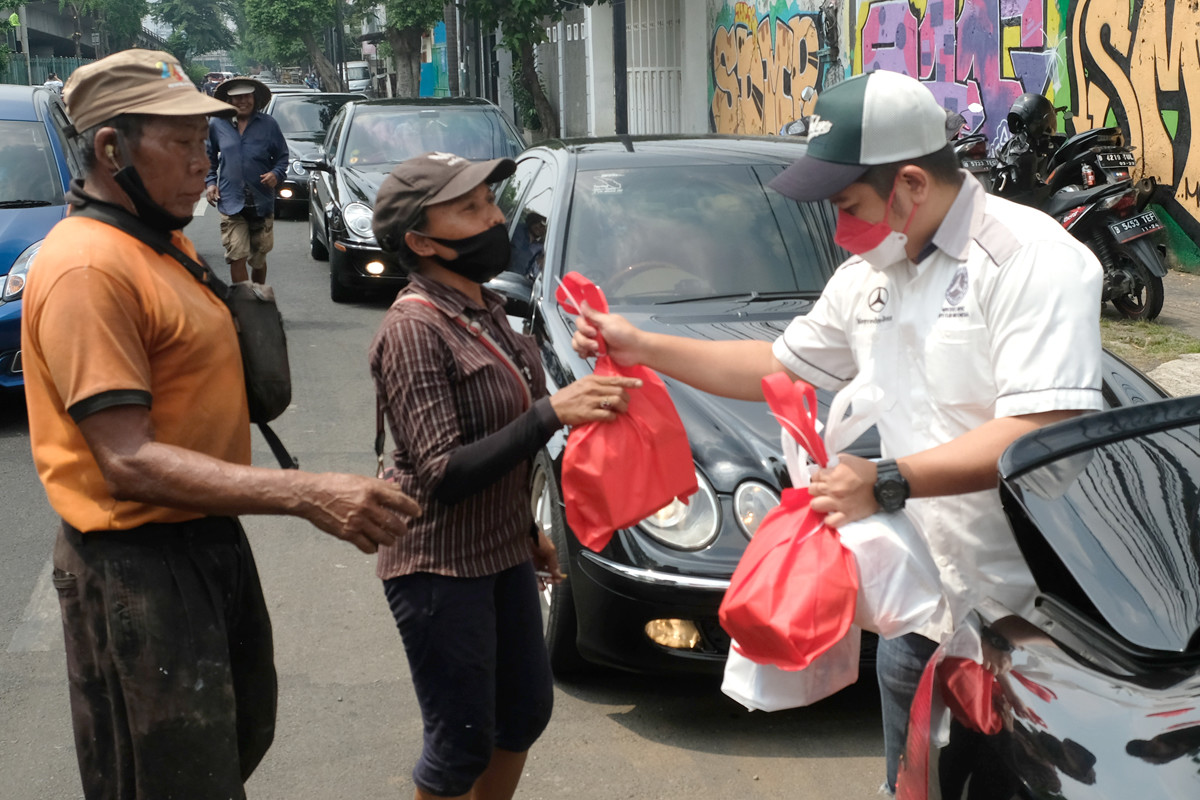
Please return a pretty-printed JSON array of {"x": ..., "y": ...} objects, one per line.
[
  {"x": 971, "y": 148},
  {"x": 1084, "y": 182},
  {"x": 1095, "y": 692}
]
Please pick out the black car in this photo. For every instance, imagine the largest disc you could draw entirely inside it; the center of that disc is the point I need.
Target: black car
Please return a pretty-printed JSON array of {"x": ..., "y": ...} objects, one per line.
[
  {"x": 1099, "y": 685},
  {"x": 683, "y": 237},
  {"x": 365, "y": 141},
  {"x": 304, "y": 118}
]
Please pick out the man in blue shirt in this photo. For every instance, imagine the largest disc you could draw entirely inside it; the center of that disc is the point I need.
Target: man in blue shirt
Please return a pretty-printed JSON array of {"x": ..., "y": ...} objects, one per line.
[{"x": 249, "y": 158}]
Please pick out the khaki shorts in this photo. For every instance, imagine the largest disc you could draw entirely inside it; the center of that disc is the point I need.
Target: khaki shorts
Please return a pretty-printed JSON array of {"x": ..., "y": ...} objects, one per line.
[{"x": 249, "y": 239}]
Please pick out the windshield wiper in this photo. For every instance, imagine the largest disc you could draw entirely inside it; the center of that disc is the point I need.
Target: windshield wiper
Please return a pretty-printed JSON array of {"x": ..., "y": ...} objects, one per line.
[
  {"x": 749, "y": 297},
  {"x": 24, "y": 203}
]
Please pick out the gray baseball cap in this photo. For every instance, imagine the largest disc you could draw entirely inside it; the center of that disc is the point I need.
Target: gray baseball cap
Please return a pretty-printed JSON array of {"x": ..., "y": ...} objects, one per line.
[
  {"x": 878, "y": 118},
  {"x": 427, "y": 180}
]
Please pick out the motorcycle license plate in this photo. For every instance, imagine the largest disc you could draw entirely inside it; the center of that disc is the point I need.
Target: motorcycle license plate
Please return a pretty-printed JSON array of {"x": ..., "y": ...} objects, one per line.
[
  {"x": 1116, "y": 159},
  {"x": 1129, "y": 229},
  {"x": 972, "y": 164}
]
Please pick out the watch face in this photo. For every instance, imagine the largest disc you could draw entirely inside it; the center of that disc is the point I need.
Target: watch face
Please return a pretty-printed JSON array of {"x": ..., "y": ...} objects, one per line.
[{"x": 890, "y": 495}]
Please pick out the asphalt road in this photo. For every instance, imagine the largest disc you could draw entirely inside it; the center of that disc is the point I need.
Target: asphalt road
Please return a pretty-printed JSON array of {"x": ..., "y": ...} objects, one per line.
[{"x": 348, "y": 723}]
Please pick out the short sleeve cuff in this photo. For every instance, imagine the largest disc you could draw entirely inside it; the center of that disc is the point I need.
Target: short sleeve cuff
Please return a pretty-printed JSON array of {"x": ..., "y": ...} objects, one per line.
[
  {"x": 115, "y": 397},
  {"x": 1037, "y": 402},
  {"x": 804, "y": 369}
]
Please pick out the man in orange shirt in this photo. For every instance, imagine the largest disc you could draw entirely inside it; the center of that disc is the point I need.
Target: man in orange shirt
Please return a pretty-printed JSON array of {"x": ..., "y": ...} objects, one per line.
[{"x": 140, "y": 433}]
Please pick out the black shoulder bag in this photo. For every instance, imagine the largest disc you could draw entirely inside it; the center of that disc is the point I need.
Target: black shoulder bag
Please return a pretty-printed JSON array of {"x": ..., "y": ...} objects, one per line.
[{"x": 256, "y": 318}]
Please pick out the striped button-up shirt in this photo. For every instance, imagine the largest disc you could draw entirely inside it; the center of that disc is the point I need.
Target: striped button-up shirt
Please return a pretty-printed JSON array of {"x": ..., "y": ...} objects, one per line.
[{"x": 443, "y": 389}]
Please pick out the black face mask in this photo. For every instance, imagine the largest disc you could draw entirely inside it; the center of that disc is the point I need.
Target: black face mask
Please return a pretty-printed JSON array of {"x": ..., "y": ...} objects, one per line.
[
  {"x": 149, "y": 211},
  {"x": 480, "y": 257}
]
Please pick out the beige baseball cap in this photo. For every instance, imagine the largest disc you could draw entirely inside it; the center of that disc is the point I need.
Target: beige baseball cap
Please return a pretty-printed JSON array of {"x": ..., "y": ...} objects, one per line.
[
  {"x": 135, "y": 82},
  {"x": 427, "y": 180}
]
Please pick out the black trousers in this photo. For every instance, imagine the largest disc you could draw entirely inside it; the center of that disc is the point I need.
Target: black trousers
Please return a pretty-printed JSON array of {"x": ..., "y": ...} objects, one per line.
[{"x": 169, "y": 659}]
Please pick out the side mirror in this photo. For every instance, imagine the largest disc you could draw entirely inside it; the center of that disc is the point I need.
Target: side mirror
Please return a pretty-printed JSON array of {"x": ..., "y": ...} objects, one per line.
[
  {"x": 517, "y": 291},
  {"x": 311, "y": 164}
]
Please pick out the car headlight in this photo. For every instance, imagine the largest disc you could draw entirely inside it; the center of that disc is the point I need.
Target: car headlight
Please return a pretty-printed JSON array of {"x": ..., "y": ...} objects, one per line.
[
  {"x": 14, "y": 282},
  {"x": 298, "y": 170},
  {"x": 689, "y": 526},
  {"x": 358, "y": 220},
  {"x": 751, "y": 502}
]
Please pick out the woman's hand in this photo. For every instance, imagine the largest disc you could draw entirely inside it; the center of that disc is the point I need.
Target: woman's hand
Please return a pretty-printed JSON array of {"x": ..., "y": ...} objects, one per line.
[
  {"x": 592, "y": 399},
  {"x": 545, "y": 561},
  {"x": 621, "y": 340}
]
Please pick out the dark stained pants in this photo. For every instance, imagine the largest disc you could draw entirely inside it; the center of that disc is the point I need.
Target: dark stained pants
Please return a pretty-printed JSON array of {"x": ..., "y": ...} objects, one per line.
[{"x": 169, "y": 659}]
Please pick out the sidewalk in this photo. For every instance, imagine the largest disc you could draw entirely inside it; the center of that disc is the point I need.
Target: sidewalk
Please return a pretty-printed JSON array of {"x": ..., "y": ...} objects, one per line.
[{"x": 1181, "y": 310}]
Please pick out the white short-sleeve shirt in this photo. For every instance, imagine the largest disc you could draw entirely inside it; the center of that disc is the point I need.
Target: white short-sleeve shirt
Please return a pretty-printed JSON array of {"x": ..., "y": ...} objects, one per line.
[{"x": 1000, "y": 318}]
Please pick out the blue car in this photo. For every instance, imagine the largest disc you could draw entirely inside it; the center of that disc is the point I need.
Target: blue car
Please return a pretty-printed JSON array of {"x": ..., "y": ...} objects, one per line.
[{"x": 36, "y": 166}]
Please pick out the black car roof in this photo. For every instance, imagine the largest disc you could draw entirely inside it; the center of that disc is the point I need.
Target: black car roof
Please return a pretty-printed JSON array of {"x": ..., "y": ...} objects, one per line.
[{"x": 618, "y": 151}]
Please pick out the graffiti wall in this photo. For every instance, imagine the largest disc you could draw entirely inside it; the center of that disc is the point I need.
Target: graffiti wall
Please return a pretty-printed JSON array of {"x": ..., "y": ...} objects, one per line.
[
  {"x": 1110, "y": 62},
  {"x": 769, "y": 59},
  {"x": 1130, "y": 66}
]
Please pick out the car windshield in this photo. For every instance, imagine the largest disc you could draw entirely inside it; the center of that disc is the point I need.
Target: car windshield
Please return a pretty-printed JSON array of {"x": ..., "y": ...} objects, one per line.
[
  {"x": 1123, "y": 517},
  {"x": 303, "y": 114},
  {"x": 358, "y": 73},
  {"x": 28, "y": 169},
  {"x": 689, "y": 232},
  {"x": 389, "y": 135}
]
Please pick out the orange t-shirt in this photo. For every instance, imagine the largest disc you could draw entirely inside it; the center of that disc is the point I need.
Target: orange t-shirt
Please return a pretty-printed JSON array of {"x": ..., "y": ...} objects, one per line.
[{"x": 107, "y": 321}]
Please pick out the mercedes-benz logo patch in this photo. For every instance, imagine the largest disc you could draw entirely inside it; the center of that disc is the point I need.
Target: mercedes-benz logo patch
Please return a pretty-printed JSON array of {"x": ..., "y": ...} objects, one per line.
[
  {"x": 957, "y": 290},
  {"x": 877, "y": 299}
]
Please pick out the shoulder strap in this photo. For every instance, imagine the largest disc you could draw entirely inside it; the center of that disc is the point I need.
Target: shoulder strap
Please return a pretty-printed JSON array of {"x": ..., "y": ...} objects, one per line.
[
  {"x": 122, "y": 220},
  {"x": 484, "y": 338}
]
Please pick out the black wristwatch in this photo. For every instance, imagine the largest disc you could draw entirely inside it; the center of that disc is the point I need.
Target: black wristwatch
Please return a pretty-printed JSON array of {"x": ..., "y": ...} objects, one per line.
[{"x": 891, "y": 489}]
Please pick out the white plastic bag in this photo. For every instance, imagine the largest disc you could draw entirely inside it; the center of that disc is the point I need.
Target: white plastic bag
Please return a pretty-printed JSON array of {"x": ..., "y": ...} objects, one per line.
[
  {"x": 765, "y": 687},
  {"x": 900, "y": 590}
]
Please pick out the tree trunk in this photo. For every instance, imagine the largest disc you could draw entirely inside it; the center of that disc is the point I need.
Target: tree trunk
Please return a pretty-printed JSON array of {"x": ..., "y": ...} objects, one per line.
[
  {"x": 529, "y": 78},
  {"x": 450, "y": 16},
  {"x": 406, "y": 49},
  {"x": 325, "y": 69}
]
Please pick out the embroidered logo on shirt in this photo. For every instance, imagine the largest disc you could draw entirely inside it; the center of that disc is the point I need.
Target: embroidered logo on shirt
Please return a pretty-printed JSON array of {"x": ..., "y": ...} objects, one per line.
[
  {"x": 877, "y": 299},
  {"x": 958, "y": 288}
]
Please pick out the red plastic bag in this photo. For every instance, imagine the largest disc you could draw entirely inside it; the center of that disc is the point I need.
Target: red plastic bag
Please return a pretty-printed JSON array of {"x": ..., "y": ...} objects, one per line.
[
  {"x": 793, "y": 594},
  {"x": 970, "y": 691},
  {"x": 616, "y": 474}
]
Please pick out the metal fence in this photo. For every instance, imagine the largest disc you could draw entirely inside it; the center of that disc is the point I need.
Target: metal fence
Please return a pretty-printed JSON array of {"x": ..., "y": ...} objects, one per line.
[{"x": 38, "y": 69}]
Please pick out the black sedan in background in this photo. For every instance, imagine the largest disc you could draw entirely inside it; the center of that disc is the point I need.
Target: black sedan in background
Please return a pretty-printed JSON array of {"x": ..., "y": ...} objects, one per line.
[
  {"x": 304, "y": 118},
  {"x": 365, "y": 140},
  {"x": 683, "y": 237}
]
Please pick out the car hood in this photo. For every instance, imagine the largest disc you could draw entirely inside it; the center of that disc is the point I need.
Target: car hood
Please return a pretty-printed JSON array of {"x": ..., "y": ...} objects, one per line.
[
  {"x": 359, "y": 185},
  {"x": 304, "y": 146},
  {"x": 732, "y": 440},
  {"x": 21, "y": 227}
]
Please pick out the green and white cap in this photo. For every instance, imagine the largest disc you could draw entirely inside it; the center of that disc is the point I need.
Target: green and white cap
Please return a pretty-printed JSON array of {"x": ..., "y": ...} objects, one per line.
[{"x": 877, "y": 118}]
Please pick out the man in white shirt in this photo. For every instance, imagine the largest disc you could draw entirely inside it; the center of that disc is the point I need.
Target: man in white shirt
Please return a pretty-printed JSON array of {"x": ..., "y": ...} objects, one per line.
[
  {"x": 976, "y": 316},
  {"x": 54, "y": 84}
]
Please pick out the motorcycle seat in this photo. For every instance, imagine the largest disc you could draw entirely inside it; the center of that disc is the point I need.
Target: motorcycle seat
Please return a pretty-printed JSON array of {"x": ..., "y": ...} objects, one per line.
[{"x": 1063, "y": 200}]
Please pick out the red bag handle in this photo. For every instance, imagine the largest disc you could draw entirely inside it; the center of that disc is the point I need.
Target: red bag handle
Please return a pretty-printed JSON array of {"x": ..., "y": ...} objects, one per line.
[
  {"x": 574, "y": 290},
  {"x": 795, "y": 405}
]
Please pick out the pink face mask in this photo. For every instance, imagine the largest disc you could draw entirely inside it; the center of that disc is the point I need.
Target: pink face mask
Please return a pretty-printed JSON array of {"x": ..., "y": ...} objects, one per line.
[{"x": 877, "y": 243}]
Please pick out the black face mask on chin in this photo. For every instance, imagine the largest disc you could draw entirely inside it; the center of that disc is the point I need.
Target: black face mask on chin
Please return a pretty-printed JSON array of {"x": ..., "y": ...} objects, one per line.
[
  {"x": 480, "y": 257},
  {"x": 148, "y": 211}
]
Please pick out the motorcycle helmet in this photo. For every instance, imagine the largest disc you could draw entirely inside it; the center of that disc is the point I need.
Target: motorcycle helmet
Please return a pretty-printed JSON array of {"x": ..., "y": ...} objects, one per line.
[{"x": 1032, "y": 114}]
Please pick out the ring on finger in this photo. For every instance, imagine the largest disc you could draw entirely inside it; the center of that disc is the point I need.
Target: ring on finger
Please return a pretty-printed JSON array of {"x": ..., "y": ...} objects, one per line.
[{"x": 605, "y": 404}]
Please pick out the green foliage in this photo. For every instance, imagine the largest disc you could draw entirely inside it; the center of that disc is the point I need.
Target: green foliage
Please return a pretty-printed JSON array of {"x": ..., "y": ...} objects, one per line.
[
  {"x": 6, "y": 25},
  {"x": 283, "y": 21},
  {"x": 520, "y": 21},
  {"x": 401, "y": 14},
  {"x": 527, "y": 116},
  {"x": 198, "y": 26},
  {"x": 121, "y": 19}
]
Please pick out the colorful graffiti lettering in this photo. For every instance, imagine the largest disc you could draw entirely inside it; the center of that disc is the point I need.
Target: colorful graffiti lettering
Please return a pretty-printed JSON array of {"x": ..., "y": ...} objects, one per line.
[
  {"x": 1142, "y": 71},
  {"x": 985, "y": 52},
  {"x": 761, "y": 67}
]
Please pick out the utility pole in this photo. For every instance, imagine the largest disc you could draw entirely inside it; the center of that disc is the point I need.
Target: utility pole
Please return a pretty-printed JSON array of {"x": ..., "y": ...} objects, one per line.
[{"x": 24, "y": 19}]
